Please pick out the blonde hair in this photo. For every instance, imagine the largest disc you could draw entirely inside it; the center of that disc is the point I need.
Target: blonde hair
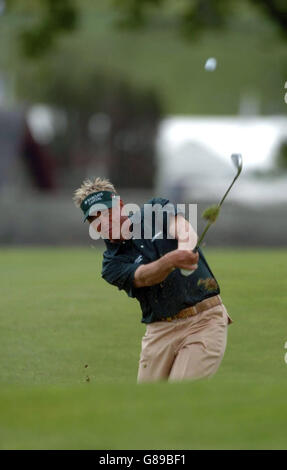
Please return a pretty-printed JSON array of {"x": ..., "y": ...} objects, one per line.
[{"x": 91, "y": 186}]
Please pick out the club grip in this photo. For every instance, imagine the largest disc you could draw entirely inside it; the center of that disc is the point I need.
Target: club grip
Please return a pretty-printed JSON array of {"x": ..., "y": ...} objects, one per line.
[{"x": 187, "y": 272}]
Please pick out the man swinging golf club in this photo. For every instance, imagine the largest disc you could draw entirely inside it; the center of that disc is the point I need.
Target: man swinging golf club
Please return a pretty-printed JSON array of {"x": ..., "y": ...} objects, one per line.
[{"x": 186, "y": 321}]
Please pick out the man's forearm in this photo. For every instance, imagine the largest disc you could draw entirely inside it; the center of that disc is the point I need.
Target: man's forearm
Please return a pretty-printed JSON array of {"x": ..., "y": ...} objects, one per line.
[{"x": 154, "y": 272}]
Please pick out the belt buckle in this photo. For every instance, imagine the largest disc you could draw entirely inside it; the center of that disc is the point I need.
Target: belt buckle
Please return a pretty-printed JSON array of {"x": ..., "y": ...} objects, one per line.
[
  {"x": 194, "y": 310},
  {"x": 169, "y": 319}
]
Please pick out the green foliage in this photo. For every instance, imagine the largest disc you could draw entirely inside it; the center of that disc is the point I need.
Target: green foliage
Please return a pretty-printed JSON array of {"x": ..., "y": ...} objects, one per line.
[
  {"x": 251, "y": 59},
  {"x": 134, "y": 12},
  {"x": 202, "y": 14},
  {"x": 276, "y": 10},
  {"x": 282, "y": 156},
  {"x": 198, "y": 15},
  {"x": 190, "y": 18},
  {"x": 58, "y": 16}
]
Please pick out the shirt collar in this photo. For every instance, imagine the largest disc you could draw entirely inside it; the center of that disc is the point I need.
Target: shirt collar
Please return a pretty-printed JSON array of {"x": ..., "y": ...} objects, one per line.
[{"x": 113, "y": 247}]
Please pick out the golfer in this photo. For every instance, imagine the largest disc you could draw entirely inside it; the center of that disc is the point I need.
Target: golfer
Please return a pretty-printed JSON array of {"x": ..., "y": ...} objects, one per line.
[{"x": 186, "y": 321}]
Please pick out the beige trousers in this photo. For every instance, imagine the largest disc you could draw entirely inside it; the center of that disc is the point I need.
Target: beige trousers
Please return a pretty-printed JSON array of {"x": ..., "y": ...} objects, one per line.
[{"x": 189, "y": 348}]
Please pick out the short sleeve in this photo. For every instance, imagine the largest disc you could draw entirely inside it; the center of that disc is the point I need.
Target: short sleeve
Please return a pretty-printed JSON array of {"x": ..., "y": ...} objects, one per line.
[{"x": 119, "y": 271}]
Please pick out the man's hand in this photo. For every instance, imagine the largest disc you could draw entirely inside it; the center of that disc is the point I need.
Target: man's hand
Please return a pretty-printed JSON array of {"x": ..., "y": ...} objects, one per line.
[
  {"x": 156, "y": 271},
  {"x": 183, "y": 259}
]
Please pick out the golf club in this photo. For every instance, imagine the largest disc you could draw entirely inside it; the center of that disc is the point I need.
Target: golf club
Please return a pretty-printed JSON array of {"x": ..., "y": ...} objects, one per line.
[
  {"x": 237, "y": 162},
  {"x": 236, "y": 159}
]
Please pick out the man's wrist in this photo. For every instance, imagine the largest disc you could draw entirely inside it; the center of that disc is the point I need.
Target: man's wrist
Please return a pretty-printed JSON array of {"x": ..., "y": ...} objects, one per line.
[{"x": 168, "y": 261}]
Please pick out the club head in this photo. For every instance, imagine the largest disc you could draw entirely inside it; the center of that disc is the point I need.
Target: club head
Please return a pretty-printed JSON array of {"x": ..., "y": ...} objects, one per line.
[{"x": 237, "y": 161}]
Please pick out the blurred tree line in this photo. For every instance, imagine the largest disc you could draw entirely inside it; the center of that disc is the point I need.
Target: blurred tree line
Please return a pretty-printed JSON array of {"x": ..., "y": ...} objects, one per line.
[
  {"x": 191, "y": 17},
  {"x": 194, "y": 16},
  {"x": 102, "y": 122},
  {"x": 49, "y": 19},
  {"x": 109, "y": 123}
]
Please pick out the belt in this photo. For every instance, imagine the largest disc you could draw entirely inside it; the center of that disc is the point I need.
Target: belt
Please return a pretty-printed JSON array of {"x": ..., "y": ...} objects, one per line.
[{"x": 195, "y": 309}]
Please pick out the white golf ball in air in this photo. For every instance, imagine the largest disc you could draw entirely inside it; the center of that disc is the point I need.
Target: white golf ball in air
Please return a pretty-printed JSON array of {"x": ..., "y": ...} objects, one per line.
[{"x": 210, "y": 64}]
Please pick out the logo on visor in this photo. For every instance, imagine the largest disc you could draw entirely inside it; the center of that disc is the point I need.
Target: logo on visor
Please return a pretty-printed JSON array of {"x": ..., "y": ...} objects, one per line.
[{"x": 94, "y": 198}]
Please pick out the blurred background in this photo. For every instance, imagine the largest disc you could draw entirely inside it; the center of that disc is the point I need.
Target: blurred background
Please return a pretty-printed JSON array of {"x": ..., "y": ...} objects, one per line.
[
  {"x": 155, "y": 95},
  {"x": 120, "y": 89}
]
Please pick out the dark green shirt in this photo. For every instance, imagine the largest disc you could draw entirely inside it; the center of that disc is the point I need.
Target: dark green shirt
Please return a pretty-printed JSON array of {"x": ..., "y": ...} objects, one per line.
[{"x": 176, "y": 292}]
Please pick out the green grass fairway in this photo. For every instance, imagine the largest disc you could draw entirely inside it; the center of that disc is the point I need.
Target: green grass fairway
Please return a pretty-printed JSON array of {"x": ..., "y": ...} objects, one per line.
[{"x": 61, "y": 324}]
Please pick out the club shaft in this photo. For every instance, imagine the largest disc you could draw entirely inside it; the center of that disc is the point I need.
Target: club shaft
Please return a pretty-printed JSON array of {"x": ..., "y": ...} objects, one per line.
[
  {"x": 202, "y": 236},
  {"x": 222, "y": 200},
  {"x": 219, "y": 205}
]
